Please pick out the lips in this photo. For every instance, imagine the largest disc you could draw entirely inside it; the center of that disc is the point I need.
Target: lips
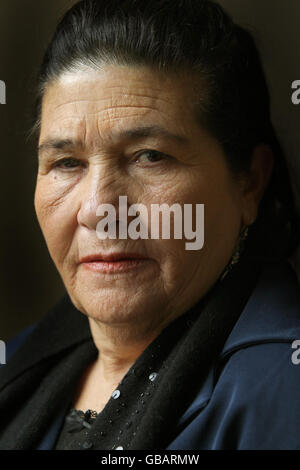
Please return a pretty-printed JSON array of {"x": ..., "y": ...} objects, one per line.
[
  {"x": 115, "y": 263},
  {"x": 112, "y": 257}
]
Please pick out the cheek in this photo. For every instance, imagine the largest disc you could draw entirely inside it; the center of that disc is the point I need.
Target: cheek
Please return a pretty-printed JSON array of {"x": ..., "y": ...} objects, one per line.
[
  {"x": 222, "y": 220},
  {"x": 172, "y": 254},
  {"x": 212, "y": 186},
  {"x": 57, "y": 218}
]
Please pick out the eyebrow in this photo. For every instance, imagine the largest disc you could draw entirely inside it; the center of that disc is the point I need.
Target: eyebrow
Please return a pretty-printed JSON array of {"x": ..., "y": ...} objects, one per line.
[
  {"x": 131, "y": 134},
  {"x": 56, "y": 144}
]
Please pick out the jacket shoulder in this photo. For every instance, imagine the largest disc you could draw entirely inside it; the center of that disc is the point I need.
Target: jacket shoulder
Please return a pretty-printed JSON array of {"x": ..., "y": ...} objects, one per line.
[{"x": 258, "y": 392}]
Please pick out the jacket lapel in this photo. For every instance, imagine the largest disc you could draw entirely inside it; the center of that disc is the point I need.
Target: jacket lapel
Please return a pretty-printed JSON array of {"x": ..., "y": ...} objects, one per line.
[{"x": 272, "y": 314}]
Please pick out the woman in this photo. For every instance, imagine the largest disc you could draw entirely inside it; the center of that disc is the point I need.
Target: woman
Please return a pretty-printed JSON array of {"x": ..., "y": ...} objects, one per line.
[{"x": 164, "y": 103}]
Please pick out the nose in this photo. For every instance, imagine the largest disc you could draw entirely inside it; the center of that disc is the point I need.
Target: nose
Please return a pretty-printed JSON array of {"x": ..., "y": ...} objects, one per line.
[{"x": 99, "y": 187}]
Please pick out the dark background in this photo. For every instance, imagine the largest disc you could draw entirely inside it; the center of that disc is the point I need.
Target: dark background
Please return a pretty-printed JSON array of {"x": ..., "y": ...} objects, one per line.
[{"x": 29, "y": 283}]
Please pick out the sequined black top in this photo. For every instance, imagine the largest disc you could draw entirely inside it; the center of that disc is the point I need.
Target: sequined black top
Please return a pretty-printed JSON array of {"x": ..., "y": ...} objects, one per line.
[{"x": 77, "y": 423}]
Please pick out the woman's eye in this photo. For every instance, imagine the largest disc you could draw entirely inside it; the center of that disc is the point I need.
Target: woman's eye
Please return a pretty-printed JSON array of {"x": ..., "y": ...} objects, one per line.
[
  {"x": 150, "y": 156},
  {"x": 67, "y": 164}
]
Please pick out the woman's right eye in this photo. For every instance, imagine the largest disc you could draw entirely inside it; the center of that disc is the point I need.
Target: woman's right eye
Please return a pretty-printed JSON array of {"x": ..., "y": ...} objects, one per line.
[{"x": 67, "y": 164}]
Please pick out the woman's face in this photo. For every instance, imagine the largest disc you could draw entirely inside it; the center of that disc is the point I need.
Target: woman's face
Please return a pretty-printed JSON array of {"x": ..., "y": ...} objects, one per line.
[{"x": 90, "y": 154}]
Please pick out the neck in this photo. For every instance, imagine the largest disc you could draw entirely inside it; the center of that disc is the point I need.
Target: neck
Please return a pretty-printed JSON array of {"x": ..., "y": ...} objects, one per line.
[{"x": 119, "y": 348}]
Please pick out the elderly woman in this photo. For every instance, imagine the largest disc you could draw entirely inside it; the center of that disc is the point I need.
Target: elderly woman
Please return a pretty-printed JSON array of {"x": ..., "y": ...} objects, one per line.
[{"x": 156, "y": 346}]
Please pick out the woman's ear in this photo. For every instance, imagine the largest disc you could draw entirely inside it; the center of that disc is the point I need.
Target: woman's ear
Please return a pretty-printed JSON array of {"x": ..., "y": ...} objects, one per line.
[{"x": 257, "y": 180}]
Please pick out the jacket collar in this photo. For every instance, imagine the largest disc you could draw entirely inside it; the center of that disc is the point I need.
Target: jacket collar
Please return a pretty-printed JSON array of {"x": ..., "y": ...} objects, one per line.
[{"x": 272, "y": 313}]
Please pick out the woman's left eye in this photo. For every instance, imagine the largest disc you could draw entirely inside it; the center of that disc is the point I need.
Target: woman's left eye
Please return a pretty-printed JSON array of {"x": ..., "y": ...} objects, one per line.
[{"x": 151, "y": 156}]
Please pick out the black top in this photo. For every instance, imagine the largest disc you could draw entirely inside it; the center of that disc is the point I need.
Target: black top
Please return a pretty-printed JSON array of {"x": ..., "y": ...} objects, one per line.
[{"x": 76, "y": 424}]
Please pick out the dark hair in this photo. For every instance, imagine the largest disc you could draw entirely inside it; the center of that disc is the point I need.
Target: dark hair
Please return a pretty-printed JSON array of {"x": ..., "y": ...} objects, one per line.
[{"x": 195, "y": 36}]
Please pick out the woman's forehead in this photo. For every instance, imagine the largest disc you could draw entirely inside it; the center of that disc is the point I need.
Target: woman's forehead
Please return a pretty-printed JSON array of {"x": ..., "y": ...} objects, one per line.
[
  {"x": 118, "y": 94},
  {"x": 120, "y": 84}
]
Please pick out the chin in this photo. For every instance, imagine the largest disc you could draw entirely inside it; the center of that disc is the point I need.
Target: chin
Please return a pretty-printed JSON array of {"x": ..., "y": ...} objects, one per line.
[{"x": 113, "y": 309}]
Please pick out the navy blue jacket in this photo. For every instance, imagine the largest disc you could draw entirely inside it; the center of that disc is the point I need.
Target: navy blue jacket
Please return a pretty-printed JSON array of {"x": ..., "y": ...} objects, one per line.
[{"x": 251, "y": 397}]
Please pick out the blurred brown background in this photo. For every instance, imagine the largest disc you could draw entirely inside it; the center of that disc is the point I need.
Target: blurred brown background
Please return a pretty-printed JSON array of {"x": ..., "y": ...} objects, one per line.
[{"x": 29, "y": 283}]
